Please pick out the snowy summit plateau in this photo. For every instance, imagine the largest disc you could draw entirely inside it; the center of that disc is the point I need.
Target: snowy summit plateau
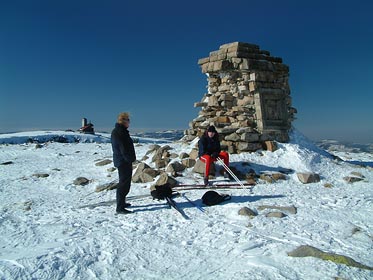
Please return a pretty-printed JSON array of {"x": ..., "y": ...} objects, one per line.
[{"x": 55, "y": 224}]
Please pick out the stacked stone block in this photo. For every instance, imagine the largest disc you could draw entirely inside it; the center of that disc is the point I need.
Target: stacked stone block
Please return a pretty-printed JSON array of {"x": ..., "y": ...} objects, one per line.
[{"x": 248, "y": 98}]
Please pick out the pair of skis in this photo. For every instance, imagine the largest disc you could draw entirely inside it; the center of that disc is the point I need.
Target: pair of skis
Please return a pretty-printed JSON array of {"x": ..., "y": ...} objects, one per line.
[
  {"x": 214, "y": 186},
  {"x": 237, "y": 185}
]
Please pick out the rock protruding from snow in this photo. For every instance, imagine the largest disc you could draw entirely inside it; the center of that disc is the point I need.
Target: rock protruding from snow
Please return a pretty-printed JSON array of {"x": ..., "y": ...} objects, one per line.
[
  {"x": 81, "y": 181},
  {"x": 309, "y": 251},
  {"x": 308, "y": 177},
  {"x": 103, "y": 162},
  {"x": 164, "y": 178},
  {"x": 144, "y": 174},
  {"x": 354, "y": 177},
  {"x": 245, "y": 211}
]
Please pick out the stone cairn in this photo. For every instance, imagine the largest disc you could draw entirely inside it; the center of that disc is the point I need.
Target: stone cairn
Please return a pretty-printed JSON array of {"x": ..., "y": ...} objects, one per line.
[{"x": 248, "y": 98}]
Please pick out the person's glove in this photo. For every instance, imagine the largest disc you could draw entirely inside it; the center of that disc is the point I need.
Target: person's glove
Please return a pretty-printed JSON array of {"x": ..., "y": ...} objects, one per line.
[{"x": 215, "y": 155}]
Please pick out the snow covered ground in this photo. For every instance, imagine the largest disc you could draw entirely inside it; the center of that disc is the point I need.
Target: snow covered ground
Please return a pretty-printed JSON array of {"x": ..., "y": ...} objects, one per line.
[{"x": 47, "y": 230}]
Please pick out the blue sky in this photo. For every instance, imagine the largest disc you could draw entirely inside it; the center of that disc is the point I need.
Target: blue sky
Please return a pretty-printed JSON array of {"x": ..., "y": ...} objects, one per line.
[{"x": 64, "y": 60}]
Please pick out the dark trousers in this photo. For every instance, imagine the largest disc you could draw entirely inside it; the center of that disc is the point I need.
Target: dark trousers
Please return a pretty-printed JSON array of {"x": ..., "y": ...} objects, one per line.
[{"x": 124, "y": 185}]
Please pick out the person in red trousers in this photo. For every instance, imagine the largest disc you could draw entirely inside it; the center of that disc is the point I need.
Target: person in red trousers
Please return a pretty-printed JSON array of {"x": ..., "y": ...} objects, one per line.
[{"x": 210, "y": 150}]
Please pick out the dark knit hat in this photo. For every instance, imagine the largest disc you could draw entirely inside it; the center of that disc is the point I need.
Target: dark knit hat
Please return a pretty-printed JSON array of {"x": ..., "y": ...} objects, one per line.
[{"x": 211, "y": 129}]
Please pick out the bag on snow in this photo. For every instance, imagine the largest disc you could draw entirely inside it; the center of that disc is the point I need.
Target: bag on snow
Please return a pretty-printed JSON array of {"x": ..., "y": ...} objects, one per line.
[
  {"x": 213, "y": 198},
  {"x": 161, "y": 192}
]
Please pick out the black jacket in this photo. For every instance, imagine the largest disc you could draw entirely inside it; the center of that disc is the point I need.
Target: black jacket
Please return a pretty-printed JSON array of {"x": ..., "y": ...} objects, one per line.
[
  {"x": 122, "y": 145},
  {"x": 209, "y": 146}
]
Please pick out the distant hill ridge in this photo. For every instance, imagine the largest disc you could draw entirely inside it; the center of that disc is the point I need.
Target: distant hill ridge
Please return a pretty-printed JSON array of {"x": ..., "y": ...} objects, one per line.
[
  {"x": 76, "y": 137},
  {"x": 165, "y": 135},
  {"x": 333, "y": 145}
]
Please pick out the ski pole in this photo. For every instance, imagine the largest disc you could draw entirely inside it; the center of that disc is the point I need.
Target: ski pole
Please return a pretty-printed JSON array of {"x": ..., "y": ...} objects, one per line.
[
  {"x": 194, "y": 204},
  {"x": 231, "y": 173}
]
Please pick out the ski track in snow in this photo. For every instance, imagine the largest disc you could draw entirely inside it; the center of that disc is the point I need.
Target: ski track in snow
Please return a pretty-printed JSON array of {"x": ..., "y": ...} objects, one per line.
[{"x": 61, "y": 238}]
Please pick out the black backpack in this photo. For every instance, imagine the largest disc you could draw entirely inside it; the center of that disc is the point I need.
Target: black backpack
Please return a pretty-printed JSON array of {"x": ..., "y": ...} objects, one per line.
[
  {"x": 161, "y": 192},
  {"x": 213, "y": 198}
]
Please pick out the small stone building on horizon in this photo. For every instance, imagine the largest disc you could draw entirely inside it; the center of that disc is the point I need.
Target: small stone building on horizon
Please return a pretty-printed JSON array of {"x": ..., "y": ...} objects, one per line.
[
  {"x": 248, "y": 98},
  {"x": 87, "y": 127}
]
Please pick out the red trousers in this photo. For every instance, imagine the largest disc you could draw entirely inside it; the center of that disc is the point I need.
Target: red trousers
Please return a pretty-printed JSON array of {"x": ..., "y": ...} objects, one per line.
[{"x": 207, "y": 159}]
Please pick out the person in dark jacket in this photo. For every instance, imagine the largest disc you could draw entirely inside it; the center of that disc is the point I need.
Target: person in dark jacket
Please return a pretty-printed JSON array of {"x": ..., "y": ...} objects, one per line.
[
  {"x": 123, "y": 157},
  {"x": 210, "y": 150}
]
